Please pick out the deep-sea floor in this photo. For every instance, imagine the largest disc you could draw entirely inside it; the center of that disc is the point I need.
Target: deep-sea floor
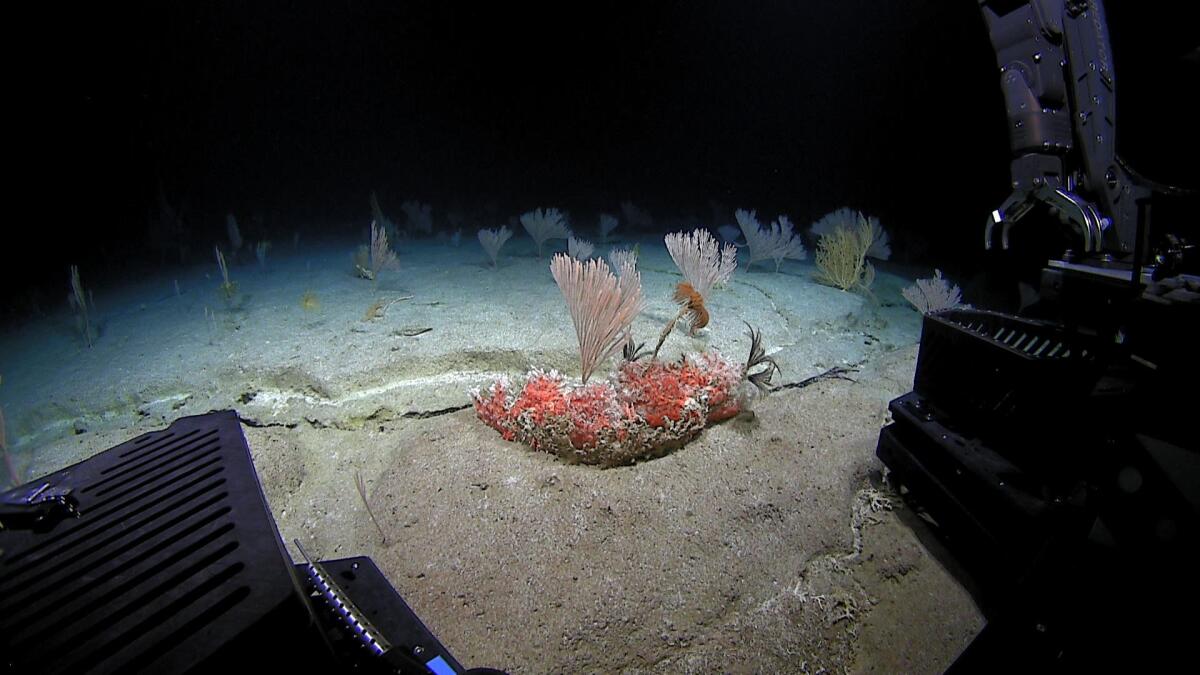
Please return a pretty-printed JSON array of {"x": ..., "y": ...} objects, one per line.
[{"x": 766, "y": 545}]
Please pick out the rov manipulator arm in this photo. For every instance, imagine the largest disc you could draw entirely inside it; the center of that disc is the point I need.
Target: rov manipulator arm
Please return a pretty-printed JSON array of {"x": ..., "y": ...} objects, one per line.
[{"x": 1059, "y": 88}]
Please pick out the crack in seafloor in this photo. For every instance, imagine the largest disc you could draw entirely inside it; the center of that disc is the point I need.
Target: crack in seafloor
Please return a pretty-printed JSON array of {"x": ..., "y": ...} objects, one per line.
[{"x": 787, "y": 328}]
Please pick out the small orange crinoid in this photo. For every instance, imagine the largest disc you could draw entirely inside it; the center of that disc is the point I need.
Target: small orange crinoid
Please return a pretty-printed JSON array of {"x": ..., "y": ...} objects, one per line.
[{"x": 697, "y": 314}]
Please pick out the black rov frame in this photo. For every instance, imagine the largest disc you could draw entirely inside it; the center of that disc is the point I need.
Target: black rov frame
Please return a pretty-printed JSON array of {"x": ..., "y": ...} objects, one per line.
[
  {"x": 1060, "y": 468},
  {"x": 160, "y": 555}
]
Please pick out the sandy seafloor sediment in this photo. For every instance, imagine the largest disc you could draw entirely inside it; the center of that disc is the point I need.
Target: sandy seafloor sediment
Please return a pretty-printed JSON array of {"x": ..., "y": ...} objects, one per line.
[{"x": 769, "y": 544}]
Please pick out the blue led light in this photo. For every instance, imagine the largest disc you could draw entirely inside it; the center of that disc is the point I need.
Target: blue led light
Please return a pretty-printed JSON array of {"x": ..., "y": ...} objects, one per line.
[{"x": 438, "y": 666}]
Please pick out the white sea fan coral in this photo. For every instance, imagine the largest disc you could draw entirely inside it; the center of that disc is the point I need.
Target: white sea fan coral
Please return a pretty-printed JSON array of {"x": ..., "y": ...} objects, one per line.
[
  {"x": 777, "y": 242},
  {"x": 608, "y": 223},
  {"x": 492, "y": 240},
  {"x": 843, "y": 218},
  {"x": 881, "y": 248},
  {"x": 580, "y": 249},
  {"x": 623, "y": 260},
  {"x": 933, "y": 295},
  {"x": 846, "y": 218},
  {"x": 703, "y": 262},
  {"x": 545, "y": 224}
]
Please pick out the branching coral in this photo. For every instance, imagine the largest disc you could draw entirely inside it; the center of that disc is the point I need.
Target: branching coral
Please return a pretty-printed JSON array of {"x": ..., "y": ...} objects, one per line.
[
  {"x": 776, "y": 242},
  {"x": 545, "y": 224},
  {"x": 705, "y": 265},
  {"x": 933, "y": 295},
  {"x": 79, "y": 302},
  {"x": 492, "y": 240},
  {"x": 647, "y": 408},
  {"x": 842, "y": 257},
  {"x": 602, "y": 306}
]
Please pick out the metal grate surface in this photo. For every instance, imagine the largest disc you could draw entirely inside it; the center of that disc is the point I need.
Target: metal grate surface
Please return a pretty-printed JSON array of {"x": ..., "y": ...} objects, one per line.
[
  {"x": 999, "y": 374},
  {"x": 174, "y": 555}
]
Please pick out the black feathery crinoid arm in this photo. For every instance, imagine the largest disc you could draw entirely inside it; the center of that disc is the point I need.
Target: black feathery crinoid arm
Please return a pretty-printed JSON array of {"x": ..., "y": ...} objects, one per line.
[
  {"x": 632, "y": 352},
  {"x": 758, "y": 357}
]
